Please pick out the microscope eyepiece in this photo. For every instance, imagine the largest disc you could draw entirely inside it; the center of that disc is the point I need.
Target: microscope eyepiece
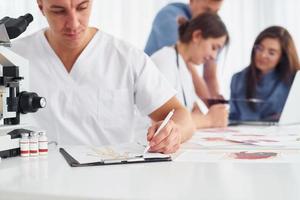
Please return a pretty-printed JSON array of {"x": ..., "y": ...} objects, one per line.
[
  {"x": 16, "y": 27},
  {"x": 28, "y": 17}
]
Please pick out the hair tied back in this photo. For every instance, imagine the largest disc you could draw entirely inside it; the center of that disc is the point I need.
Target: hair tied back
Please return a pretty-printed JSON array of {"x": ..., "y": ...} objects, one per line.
[{"x": 183, "y": 24}]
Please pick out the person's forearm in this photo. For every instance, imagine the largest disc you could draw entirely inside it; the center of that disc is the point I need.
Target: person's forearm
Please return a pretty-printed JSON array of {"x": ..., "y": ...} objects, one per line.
[
  {"x": 183, "y": 118},
  {"x": 212, "y": 86},
  {"x": 210, "y": 78},
  {"x": 201, "y": 88}
]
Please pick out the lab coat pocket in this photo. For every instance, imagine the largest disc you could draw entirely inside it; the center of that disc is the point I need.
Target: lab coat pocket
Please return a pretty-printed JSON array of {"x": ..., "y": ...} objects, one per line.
[{"x": 116, "y": 109}]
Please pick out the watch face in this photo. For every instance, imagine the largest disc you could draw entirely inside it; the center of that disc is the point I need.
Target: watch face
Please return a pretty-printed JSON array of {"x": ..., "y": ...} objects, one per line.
[{"x": 43, "y": 102}]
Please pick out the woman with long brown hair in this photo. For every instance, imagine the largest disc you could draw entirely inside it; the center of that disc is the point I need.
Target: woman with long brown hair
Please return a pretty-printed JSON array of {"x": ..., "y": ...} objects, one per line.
[{"x": 265, "y": 83}]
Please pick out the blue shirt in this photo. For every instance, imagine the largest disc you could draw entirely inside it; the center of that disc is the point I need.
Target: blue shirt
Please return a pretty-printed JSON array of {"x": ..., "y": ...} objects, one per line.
[
  {"x": 269, "y": 88},
  {"x": 165, "y": 26}
]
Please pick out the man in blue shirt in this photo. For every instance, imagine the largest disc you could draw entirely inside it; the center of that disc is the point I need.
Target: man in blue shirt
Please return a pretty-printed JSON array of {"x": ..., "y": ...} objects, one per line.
[{"x": 165, "y": 33}]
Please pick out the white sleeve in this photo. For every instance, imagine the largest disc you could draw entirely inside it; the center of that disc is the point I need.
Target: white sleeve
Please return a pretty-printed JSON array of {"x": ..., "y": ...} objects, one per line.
[
  {"x": 166, "y": 64},
  {"x": 152, "y": 90}
]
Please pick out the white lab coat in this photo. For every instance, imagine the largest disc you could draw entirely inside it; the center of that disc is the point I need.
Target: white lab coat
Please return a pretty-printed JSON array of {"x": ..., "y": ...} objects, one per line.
[
  {"x": 180, "y": 78},
  {"x": 94, "y": 103}
]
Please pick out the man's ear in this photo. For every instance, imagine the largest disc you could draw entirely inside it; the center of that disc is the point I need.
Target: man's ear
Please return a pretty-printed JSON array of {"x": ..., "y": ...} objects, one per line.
[
  {"x": 197, "y": 36},
  {"x": 40, "y": 4}
]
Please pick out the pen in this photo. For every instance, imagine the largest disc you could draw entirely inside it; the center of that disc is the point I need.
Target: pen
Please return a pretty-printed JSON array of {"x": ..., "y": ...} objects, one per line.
[
  {"x": 162, "y": 125},
  {"x": 223, "y": 101}
]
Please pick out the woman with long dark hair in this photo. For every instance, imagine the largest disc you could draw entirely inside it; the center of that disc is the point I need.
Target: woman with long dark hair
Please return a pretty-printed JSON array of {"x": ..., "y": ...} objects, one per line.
[{"x": 265, "y": 83}]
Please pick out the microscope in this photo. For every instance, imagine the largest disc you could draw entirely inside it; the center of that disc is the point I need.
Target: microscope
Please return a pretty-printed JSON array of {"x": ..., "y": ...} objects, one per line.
[{"x": 14, "y": 100}]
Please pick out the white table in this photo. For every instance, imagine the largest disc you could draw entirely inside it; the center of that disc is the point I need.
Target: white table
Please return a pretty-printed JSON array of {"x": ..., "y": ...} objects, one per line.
[{"x": 52, "y": 178}]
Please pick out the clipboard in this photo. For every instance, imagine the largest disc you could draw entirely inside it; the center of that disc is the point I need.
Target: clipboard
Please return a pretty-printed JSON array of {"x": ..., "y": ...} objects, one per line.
[{"x": 78, "y": 156}]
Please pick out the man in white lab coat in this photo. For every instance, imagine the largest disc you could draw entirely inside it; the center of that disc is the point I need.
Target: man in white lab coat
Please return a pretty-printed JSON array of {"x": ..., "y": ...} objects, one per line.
[{"x": 92, "y": 83}]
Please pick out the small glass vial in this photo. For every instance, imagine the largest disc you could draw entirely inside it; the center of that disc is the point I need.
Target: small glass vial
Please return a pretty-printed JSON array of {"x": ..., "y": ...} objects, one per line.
[
  {"x": 43, "y": 143},
  {"x": 33, "y": 144},
  {"x": 24, "y": 145}
]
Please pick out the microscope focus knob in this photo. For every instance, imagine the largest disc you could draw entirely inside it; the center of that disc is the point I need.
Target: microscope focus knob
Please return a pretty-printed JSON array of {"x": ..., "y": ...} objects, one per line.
[
  {"x": 39, "y": 102},
  {"x": 30, "y": 102}
]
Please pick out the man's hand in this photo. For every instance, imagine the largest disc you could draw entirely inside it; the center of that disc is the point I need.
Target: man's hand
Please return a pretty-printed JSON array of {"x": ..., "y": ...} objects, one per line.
[{"x": 167, "y": 141}]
